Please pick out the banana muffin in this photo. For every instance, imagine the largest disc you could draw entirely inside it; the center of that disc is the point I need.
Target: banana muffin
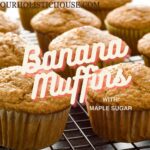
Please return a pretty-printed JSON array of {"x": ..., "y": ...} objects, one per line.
[
  {"x": 27, "y": 13},
  {"x": 79, "y": 37},
  {"x": 28, "y": 124},
  {"x": 130, "y": 22},
  {"x": 144, "y": 48},
  {"x": 2, "y": 7},
  {"x": 12, "y": 48},
  {"x": 7, "y": 24},
  {"x": 101, "y": 7},
  {"x": 122, "y": 114},
  {"x": 52, "y": 22}
]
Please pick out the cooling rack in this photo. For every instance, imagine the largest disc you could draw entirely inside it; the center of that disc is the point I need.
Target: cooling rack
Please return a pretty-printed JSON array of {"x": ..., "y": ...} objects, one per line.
[{"x": 78, "y": 134}]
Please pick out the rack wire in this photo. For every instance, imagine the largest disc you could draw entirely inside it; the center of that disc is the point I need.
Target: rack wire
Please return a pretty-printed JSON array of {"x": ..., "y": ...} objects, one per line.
[{"x": 78, "y": 134}]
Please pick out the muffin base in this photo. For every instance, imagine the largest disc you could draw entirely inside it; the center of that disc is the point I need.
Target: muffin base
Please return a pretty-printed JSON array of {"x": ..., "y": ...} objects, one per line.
[
  {"x": 101, "y": 14},
  {"x": 70, "y": 72},
  {"x": 146, "y": 60},
  {"x": 130, "y": 36},
  {"x": 23, "y": 131},
  {"x": 44, "y": 39},
  {"x": 26, "y": 14},
  {"x": 120, "y": 126}
]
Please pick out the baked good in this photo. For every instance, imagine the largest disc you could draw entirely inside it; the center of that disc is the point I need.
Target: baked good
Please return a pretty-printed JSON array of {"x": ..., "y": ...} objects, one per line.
[
  {"x": 28, "y": 124},
  {"x": 79, "y": 37},
  {"x": 52, "y": 22},
  {"x": 12, "y": 48},
  {"x": 122, "y": 114},
  {"x": 101, "y": 7},
  {"x": 129, "y": 22},
  {"x": 28, "y": 11},
  {"x": 144, "y": 48},
  {"x": 7, "y": 24},
  {"x": 3, "y": 8}
]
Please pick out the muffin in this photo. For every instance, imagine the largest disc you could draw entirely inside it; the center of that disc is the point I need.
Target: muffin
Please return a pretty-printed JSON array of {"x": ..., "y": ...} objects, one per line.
[
  {"x": 144, "y": 48},
  {"x": 3, "y": 8},
  {"x": 122, "y": 114},
  {"x": 101, "y": 7},
  {"x": 79, "y": 37},
  {"x": 12, "y": 48},
  {"x": 129, "y": 22},
  {"x": 27, "y": 13},
  {"x": 52, "y": 22},
  {"x": 28, "y": 124},
  {"x": 7, "y": 24}
]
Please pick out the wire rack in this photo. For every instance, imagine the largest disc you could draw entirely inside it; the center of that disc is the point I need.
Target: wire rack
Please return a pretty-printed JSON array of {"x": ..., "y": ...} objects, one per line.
[{"x": 78, "y": 134}]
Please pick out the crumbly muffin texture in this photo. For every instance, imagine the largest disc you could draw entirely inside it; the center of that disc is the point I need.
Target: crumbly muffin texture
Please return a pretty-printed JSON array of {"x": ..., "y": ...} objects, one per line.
[
  {"x": 136, "y": 94},
  {"x": 15, "y": 94},
  {"x": 105, "y": 4},
  {"x": 144, "y": 45},
  {"x": 62, "y": 19},
  {"x": 130, "y": 16},
  {"x": 80, "y": 37},
  {"x": 7, "y": 24},
  {"x": 12, "y": 48}
]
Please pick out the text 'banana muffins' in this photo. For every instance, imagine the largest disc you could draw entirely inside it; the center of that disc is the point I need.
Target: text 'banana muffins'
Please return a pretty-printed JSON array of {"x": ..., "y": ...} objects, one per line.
[
  {"x": 12, "y": 48},
  {"x": 130, "y": 22},
  {"x": 101, "y": 7},
  {"x": 80, "y": 37},
  {"x": 144, "y": 48},
  {"x": 7, "y": 24},
  {"x": 24, "y": 123},
  {"x": 52, "y": 22},
  {"x": 128, "y": 117}
]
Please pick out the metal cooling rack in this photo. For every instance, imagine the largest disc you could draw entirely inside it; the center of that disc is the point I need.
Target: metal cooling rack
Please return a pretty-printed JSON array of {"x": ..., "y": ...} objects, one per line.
[{"x": 78, "y": 134}]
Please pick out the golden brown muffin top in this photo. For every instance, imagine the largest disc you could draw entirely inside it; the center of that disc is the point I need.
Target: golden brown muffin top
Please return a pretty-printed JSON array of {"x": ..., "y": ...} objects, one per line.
[
  {"x": 144, "y": 45},
  {"x": 105, "y": 4},
  {"x": 130, "y": 16},
  {"x": 137, "y": 94},
  {"x": 60, "y": 20},
  {"x": 81, "y": 36},
  {"x": 7, "y": 24},
  {"x": 15, "y": 94},
  {"x": 12, "y": 48}
]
